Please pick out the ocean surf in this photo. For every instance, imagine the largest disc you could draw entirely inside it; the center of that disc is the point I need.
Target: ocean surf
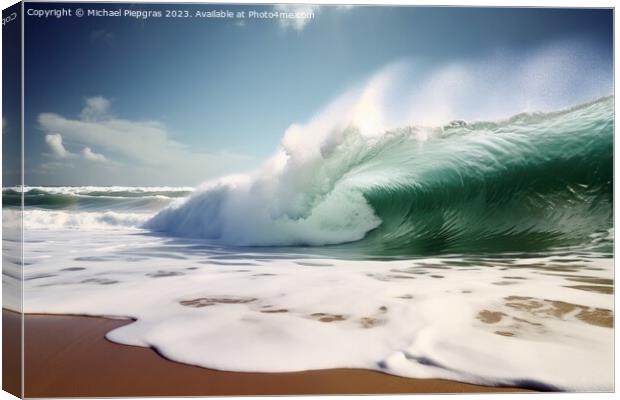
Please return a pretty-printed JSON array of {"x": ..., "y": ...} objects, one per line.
[{"x": 474, "y": 251}]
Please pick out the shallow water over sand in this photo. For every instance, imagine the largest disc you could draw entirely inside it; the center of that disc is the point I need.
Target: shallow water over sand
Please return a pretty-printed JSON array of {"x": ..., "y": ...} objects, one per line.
[{"x": 539, "y": 320}]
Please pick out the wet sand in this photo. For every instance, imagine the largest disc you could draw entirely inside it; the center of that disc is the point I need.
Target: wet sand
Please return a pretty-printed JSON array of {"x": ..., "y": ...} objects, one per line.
[
  {"x": 11, "y": 353},
  {"x": 68, "y": 356}
]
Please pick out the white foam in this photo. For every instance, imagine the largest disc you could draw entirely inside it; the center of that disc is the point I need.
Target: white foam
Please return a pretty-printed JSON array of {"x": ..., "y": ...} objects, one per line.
[
  {"x": 385, "y": 315},
  {"x": 77, "y": 190},
  {"x": 51, "y": 219}
]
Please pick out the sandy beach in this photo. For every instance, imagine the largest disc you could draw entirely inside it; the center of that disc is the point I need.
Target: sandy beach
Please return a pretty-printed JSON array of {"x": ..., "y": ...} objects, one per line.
[
  {"x": 11, "y": 355},
  {"x": 68, "y": 356}
]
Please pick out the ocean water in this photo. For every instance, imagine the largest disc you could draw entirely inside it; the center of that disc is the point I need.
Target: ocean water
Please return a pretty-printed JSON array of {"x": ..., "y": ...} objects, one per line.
[{"x": 480, "y": 252}]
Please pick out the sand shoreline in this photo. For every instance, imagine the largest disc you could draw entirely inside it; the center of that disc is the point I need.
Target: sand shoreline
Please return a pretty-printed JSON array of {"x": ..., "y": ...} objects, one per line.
[{"x": 68, "y": 356}]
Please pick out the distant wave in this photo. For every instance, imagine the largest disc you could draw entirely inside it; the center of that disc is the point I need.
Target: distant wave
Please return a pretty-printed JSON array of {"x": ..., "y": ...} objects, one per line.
[
  {"x": 59, "y": 219},
  {"x": 536, "y": 179},
  {"x": 86, "y": 207},
  {"x": 94, "y": 197}
]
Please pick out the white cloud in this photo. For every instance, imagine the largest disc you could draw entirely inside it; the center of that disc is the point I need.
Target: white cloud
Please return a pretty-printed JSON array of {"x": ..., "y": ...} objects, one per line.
[
  {"x": 144, "y": 141},
  {"x": 59, "y": 151},
  {"x": 54, "y": 141},
  {"x": 141, "y": 151},
  {"x": 299, "y": 15},
  {"x": 96, "y": 107},
  {"x": 92, "y": 156}
]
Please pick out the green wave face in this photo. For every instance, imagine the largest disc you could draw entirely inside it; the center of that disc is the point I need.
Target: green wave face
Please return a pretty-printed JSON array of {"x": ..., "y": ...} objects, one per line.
[{"x": 532, "y": 182}]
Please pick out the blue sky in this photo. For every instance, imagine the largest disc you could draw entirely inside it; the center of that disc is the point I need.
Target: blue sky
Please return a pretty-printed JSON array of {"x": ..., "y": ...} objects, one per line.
[{"x": 125, "y": 101}]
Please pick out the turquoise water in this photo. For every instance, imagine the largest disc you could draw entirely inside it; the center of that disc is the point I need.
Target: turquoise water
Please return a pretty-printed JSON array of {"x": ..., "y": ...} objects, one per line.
[{"x": 532, "y": 182}]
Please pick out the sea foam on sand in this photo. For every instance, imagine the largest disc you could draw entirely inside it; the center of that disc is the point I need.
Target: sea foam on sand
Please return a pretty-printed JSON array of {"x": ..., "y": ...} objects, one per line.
[{"x": 541, "y": 322}]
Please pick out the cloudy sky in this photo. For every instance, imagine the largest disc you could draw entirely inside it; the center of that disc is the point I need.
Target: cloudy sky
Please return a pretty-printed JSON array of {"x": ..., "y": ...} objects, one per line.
[{"x": 125, "y": 101}]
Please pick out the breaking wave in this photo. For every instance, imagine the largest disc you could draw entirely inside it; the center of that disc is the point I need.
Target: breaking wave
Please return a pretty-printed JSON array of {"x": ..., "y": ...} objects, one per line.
[
  {"x": 91, "y": 198},
  {"x": 533, "y": 180},
  {"x": 86, "y": 207}
]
